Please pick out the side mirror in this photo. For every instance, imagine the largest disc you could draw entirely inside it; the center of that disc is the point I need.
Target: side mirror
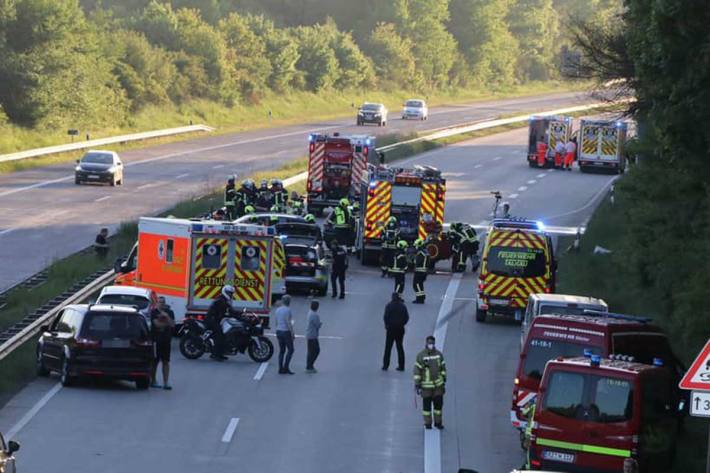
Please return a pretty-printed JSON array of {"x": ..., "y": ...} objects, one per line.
[
  {"x": 12, "y": 447},
  {"x": 118, "y": 264}
]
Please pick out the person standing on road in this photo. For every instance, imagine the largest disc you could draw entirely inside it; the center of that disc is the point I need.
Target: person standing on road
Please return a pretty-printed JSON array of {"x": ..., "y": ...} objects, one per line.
[
  {"x": 559, "y": 153},
  {"x": 395, "y": 318},
  {"x": 571, "y": 151},
  {"x": 421, "y": 269},
  {"x": 285, "y": 334},
  {"x": 162, "y": 322},
  {"x": 429, "y": 381},
  {"x": 312, "y": 329},
  {"x": 399, "y": 266},
  {"x": 219, "y": 309},
  {"x": 390, "y": 237},
  {"x": 340, "y": 265}
]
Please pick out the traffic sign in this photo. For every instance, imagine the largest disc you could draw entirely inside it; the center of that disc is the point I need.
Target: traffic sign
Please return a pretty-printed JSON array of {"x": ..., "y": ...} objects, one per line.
[
  {"x": 698, "y": 376},
  {"x": 700, "y": 404}
]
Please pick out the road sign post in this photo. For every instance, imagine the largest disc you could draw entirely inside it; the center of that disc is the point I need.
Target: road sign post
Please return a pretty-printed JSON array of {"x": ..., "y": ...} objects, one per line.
[{"x": 697, "y": 379}]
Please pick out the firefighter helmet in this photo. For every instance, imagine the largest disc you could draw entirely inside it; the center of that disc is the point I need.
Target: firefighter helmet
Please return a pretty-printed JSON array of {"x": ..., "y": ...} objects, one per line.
[
  {"x": 249, "y": 209},
  {"x": 310, "y": 218},
  {"x": 277, "y": 183},
  {"x": 264, "y": 184},
  {"x": 418, "y": 243},
  {"x": 275, "y": 208},
  {"x": 344, "y": 202},
  {"x": 402, "y": 245},
  {"x": 230, "y": 180},
  {"x": 392, "y": 219}
]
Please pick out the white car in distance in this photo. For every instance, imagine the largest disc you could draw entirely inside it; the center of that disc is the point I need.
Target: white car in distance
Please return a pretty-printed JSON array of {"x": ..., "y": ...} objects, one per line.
[{"x": 416, "y": 109}]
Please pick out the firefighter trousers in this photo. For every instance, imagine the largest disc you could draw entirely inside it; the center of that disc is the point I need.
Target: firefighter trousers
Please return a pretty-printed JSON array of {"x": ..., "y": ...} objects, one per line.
[
  {"x": 418, "y": 284},
  {"x": 399, "y": 282},
  {"x": 433, "y": 397},
  {"x": 231, "y": 212},
  {"x": 386, "y": 259}
]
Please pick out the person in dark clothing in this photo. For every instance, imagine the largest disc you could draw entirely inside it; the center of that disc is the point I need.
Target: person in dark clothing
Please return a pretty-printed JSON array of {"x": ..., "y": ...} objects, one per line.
[
  {"x": 101, "y": 243},
  {"x": 396, "y": 317},
  {"x": 219, "y": 309},
  {"x": 340, "y": 265},
  {"x": 162, "y": 322},
  {"x": 312, "y": 330}
]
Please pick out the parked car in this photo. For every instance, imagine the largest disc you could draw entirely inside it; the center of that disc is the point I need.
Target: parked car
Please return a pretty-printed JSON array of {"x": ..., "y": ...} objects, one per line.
[
  {"x": 110, "y": 341},
  {"x": 143, "y": 299},
  {"x": 415, "y": 109},
  {"x": 372, "y": 113},
  {"x": 99, "y": 166},
  {"x": 306, "y": 267}
]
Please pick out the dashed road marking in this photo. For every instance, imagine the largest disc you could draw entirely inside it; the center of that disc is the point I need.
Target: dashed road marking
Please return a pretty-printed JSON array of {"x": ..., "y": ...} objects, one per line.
[
  {"x": 532, "y": 181},
  {"x": 182, "y": 176},
  {"x": 6, "y": 231},
  {"x": 260, "y": 372},
  {"x": 219, "y": 166},
  {"x": 540, "y": 176},
  {"x": 478, "y": 166},
  {"x": 522, "y": 188},
  {"x": 497, "y": 158},
  {"x": 150, "y": 184},
  {"x": 513, "y": 196},
  {"x": 229, "y": 431},
  {"x": 550, "y": 170},
  {"x": 101, "y": 199}
]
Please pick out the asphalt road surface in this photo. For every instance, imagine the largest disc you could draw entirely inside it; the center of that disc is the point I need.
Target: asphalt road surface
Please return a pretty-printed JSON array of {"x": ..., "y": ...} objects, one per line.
[
  {"x": 350, "y": 416},
  {"x": 45, "y": 216}
]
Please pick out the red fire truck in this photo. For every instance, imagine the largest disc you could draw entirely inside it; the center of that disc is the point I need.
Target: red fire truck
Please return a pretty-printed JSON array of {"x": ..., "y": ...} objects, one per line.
[
  {"x": 336, "y": 165},
  {"x": 415, "y": 196}
]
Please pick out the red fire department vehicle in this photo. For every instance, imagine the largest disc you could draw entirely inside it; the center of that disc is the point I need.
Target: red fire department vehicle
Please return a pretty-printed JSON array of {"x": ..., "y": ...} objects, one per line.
[
  {"x": 594, "y": 413},
  {"x": 415, "y": 196},
  {"x": 336, "y": 165}
]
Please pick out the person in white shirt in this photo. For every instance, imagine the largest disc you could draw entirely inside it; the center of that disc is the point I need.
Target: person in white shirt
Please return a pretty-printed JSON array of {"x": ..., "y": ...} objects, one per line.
[{"x": 570, "y": 149}]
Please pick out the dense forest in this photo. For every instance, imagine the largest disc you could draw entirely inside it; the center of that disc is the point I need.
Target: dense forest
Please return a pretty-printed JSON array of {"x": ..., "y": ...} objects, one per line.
[{"x": 98, "y": 61}]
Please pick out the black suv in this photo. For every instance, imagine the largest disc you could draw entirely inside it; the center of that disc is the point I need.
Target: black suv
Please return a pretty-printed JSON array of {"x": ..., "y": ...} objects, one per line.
[{"x": 97, "y": 340}]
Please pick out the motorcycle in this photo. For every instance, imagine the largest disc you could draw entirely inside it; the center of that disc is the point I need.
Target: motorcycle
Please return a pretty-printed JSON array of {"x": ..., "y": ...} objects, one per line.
[{"x": 243, "y": 333}]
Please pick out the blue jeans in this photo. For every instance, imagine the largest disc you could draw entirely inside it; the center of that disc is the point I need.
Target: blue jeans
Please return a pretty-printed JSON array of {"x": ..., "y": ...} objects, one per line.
[{"x": 285, "y": 348}]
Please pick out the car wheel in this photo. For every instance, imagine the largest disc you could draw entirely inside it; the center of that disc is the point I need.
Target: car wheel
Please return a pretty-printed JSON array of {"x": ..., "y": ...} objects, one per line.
[
  {"x": 480, "y": 315},
  {"x": 142, "y": 384},
  {"x": 384, "y": 123},
  {"x": 41, "y": 369},
  {"x": 66, "y": 378}
]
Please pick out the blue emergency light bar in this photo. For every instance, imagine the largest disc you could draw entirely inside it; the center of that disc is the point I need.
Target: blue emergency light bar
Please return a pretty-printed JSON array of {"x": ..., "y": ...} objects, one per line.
[
  {"x": 612, "y": 315},
  {"x": 515, "y": 222}
]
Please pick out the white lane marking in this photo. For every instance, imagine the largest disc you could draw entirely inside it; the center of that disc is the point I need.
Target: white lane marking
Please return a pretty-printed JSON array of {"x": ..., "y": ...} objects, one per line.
[
  {"x": 34, "y": 186},
  {"x": 101, "y": 199},
  {"x": 6, "y": 231},
  {"x": 219, "y": 166},
  {"x": 432, "y": 440},
  {"x": 260, "y": 372},
  {"x": 532, "y": 181},
  {"x": 540, "y": 176},
  {"x": 320, "y": 337},
  {"x": 15, "y": 429},
  {"x": 150, "y": 184},
  {"x": 182, "y": 176},
  {"x": 513, "y": 196},
  {"x": 522, "y": 188},
  {"x": 497, "y": 158},
  {"x": 478, "y": 166},
  {"x": 229, "y": 431},
  {"x": 550, "y": 170}
]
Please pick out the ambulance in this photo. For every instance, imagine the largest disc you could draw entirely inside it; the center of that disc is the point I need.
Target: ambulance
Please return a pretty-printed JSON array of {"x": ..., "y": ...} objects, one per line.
[
  {"x": 602, "y": 145},
  {"x": 549, "y": 130},
  {"x": 518, "y": 260},
  {"x": 336, "y": 166},
  {"x": 415, "y": 196},
  {"x": 189, "y": 261},
  {"x": 594, "y": 413}
]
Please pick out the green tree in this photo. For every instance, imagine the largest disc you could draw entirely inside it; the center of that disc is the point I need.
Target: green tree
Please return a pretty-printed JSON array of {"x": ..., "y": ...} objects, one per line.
[
  {"x": 317, "y": 61},
  {"x": 281, "y": 50},
  {"x": 392, "y": 56},
  {"x": 534, "y": 23}
]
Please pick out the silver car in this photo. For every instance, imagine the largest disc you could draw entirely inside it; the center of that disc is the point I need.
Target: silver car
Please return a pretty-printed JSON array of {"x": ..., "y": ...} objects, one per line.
[{"x": 415, "y": 109}]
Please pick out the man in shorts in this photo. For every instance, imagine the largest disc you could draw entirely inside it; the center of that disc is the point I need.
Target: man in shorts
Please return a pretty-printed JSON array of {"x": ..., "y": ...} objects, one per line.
[{"x": 162, "y": 322}]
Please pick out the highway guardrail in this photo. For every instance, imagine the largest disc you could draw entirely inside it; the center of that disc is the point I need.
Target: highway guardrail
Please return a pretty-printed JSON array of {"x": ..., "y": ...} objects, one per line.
[
  {"x": 82, "y": 145},
  {"x": 19, "y": 333}
]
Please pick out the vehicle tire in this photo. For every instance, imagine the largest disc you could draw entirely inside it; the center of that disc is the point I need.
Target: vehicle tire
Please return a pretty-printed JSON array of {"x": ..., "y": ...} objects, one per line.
[
  {"x": 384, "y": 123},
  {"x": 192, "y": 347},
  {"x": 532, "y": 164},
  {"x": 65, "y": 378},
  {"x": 261, "y": 355},
  {"x": 480, "y": 315},
  {"x": 41, "y": 369},
  {"x": 142, "y": 384},
  {"x": 583, "y": 169}
]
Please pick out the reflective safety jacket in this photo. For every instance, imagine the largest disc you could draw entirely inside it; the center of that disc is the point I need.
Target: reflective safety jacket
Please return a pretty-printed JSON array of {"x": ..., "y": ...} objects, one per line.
[
  {"x": 391, "y": 236},
  {"x": 430, "y": 369},
  {"x": 421, "y": 261},
  {"x": 341, "y": 217},
  {"x": 469, "y": 234},
  {"x": 230, "y": 195},
  {"x": 399, "y": 264},
  {"x": 280, "y": 197}
]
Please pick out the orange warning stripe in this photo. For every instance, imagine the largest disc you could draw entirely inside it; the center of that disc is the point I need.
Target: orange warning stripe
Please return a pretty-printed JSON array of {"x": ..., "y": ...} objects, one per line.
[{"x": 378, "y": 208}]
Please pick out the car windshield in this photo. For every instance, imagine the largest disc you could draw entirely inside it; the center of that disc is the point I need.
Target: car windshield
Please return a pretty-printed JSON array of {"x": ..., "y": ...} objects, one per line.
[
  {"x": 105, "y": 326},
  {"x": 414, "y": 104},
  {"x": 589, "y": 398},
  {"x": 371, "y": 106},
  {"x": 97, "y": 158},
  {"x": 518, "y": 262},
  {"x": 406, "y": 196},
  {"x": 125, "y": 299},
  {"x": 568, "y": 309},
  {"x": 540, "y": 351}
]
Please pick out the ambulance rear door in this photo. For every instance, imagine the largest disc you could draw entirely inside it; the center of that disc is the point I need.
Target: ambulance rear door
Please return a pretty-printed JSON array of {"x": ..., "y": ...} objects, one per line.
[
  {"x": 559, "y": 131},
  {"x": 252, "y": 268}
]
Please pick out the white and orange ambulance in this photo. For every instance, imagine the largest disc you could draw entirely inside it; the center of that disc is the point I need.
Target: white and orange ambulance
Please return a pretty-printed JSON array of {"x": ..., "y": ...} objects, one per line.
[{"x": 189, "y": 261}]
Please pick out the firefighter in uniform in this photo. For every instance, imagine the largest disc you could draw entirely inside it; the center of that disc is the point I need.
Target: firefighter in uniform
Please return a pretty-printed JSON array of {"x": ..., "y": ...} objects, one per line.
[
  {"x": 421, "y": 268},
  {"x": 230, "y": 198},
  {"x": 469, "y": 246},
  {"x": 279, "y": 195},
  {"x": 399, "y": 266},
  {"x": 390, "y": 237},
  {"x": 264, "y": 198},
  {"x": 456, "y": 238},
  {"x": 249, "y": 210},
  {"x": 429, "y": 381},
  {"x": 341, "y": 219},
  {"x": 528, "y": 411}
]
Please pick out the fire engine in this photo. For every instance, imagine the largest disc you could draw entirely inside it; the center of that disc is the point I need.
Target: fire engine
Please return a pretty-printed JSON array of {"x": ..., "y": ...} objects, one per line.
[
  {"x": 547, "y": 130},
  {"x": 415, "y": 196},
  {"x": 189, "y": 261},
  {"x": 336, "y": 165},
  {"x": 602, "y": 144}
]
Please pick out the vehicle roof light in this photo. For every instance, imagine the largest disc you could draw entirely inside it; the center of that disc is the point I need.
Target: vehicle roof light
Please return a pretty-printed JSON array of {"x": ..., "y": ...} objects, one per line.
[
  {"x": 588, "y": 352},
  {"x": 657, "y": 362},
  {"x": 595, "y": 360}
]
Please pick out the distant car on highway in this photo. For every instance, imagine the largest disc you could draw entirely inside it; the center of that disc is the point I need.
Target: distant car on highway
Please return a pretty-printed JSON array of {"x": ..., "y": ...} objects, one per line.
[
  {"x": 415, "y": 109},
  {"x": 99, "y": 167},
  {"x": 108, "y": 341},
  {"x": 372, "y": 113}
]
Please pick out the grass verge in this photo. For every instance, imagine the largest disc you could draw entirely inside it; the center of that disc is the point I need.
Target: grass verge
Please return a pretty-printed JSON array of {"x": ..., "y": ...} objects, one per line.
[
  {"x": 604, "y": 276},
  {"x": 285, "y": 109}
]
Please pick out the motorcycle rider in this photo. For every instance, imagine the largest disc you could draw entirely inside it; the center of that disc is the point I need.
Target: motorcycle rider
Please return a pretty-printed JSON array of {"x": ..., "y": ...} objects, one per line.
[
  {"x": 390, "y": 237},
  {"x": 220, "y": 308}
]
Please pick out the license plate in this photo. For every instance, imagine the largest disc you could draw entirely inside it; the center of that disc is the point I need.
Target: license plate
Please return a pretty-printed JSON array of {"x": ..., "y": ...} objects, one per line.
[
  {"x": 499, "y": 301},
  {"x": 93, "y": 176},
  {"x": 558, "y": 456},
  {"x": 116, "y": 344}
]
